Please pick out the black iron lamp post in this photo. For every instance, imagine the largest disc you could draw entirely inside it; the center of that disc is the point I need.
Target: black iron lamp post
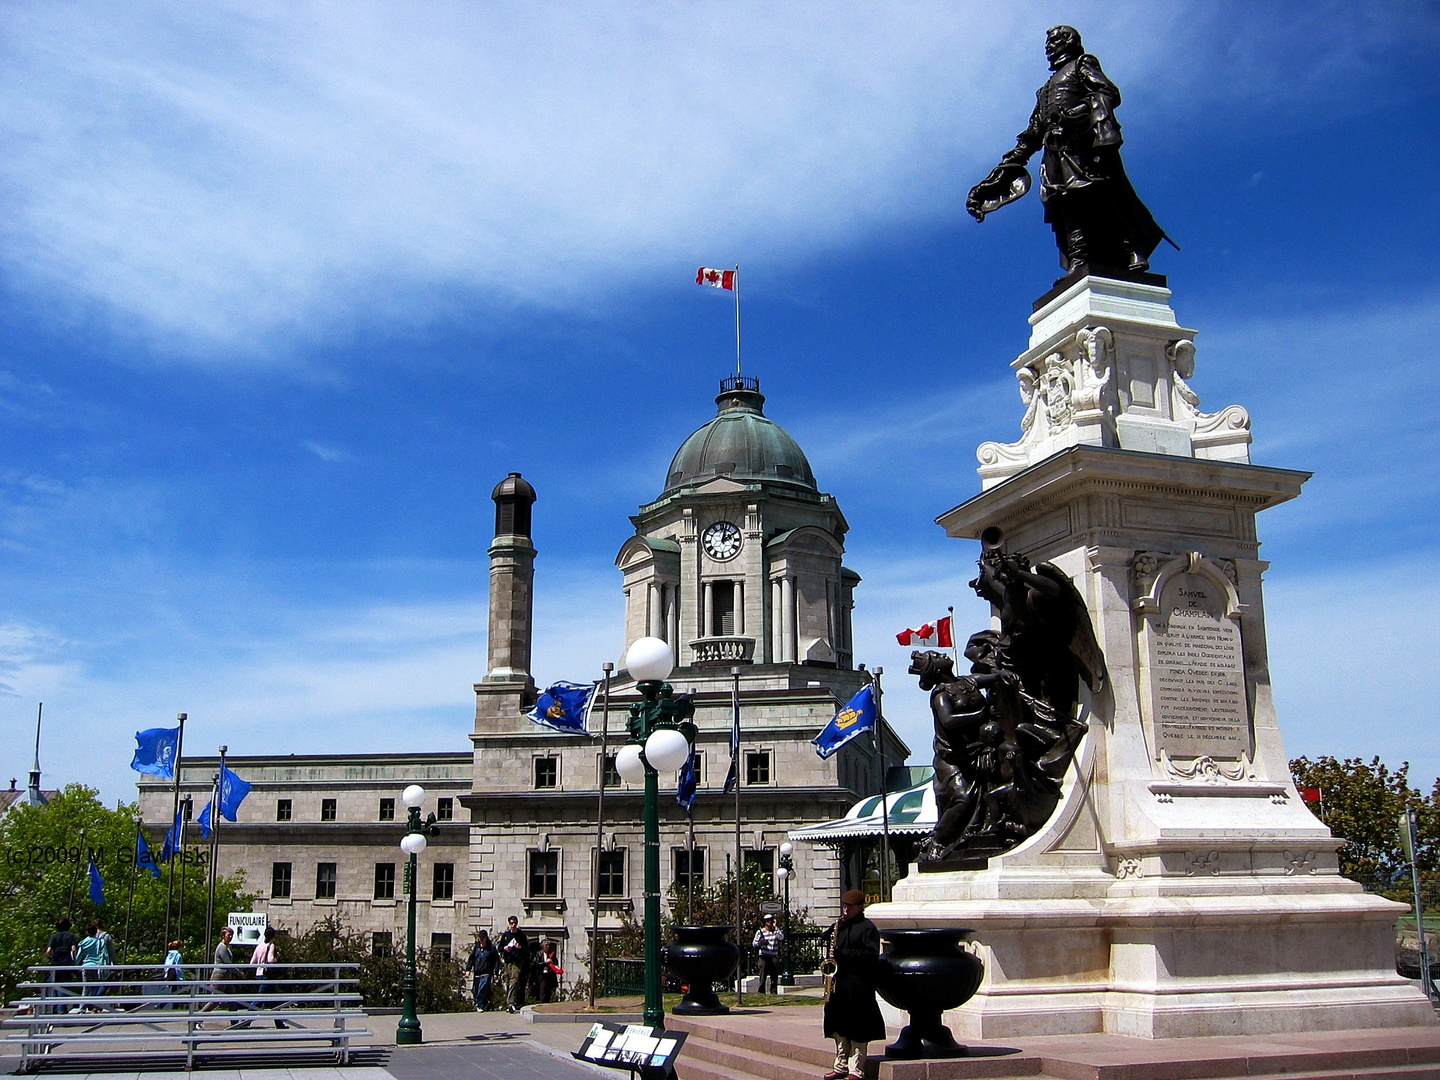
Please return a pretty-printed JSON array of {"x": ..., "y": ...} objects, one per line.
[
  {"x": 412, "y": 843},
  {"x": 656, "y": 745},
  {"x": 786, "y": 872}
]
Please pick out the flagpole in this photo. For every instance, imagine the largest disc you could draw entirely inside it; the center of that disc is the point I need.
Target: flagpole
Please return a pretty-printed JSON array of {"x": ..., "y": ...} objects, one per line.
[
  {"x": 875, "y": 674},
  {"x": 599, "y": 834},
  {"x": 130, "y": 905},
  {"x": 954, "y": 641},
  {"x": 174, "y": 813},
  {"x": 70, "y": 903},
  {"x": 215, "y": 816},
  {"x": 180, "y": 854},
  {"x": 738, "y": 372},
  {"x": 735, "y": 720}
]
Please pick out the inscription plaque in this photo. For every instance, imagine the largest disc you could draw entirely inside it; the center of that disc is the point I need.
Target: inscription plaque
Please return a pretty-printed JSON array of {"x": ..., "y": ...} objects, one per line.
[{"x": 1197, "y": 673}]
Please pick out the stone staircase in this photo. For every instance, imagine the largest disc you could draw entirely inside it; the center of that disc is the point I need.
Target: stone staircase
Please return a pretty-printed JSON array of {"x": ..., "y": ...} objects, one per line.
[{"x": 776, "y": 1046}]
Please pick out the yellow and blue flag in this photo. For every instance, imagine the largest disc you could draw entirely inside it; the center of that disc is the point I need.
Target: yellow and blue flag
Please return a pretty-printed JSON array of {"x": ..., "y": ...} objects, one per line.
[
  {"x": 564, "y": 706},
  {"x": 858, "y": 715}
]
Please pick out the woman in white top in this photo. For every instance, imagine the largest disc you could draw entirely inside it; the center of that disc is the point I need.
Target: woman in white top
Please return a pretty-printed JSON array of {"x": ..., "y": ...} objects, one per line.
[{"x": 264, "y": 958}]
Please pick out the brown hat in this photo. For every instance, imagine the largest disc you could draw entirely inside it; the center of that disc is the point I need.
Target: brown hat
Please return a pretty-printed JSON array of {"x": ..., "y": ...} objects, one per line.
[{"x": 854, "y": 896}]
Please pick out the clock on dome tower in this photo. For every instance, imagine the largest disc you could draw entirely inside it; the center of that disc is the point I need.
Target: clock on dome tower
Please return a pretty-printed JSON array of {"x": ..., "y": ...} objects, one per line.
[
  {"x": 740, "y": 558},
  {"x": 722, "y": 541}
]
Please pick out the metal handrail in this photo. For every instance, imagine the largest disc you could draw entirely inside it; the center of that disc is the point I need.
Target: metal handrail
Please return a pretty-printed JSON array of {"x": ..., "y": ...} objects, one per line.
[{"x": 116, "y": 1005}]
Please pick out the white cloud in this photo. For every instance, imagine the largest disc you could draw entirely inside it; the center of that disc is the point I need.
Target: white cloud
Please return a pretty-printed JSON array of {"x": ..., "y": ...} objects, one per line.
[{"x": 217, "y": 174}]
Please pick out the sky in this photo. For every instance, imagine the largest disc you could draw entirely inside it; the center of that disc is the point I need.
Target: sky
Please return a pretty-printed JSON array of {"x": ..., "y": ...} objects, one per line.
[{"x": 286, "y": 288}]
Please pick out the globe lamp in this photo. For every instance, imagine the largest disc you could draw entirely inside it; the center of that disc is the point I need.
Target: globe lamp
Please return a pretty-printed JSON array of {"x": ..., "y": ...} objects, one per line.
[
  {"x": 629, "y": 765},
  {"x": 666, "y": 750},
  {"x": 649, "y": 660},
  {"x": 413, "y": 795}
]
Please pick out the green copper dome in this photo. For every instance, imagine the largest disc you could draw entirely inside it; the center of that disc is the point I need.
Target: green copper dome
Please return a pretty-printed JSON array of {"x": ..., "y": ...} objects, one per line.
[{"x": 740, "y": 443}]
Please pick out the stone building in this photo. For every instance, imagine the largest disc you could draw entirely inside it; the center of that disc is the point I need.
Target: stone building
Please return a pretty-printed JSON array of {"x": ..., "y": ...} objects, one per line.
[{"x": 739, "y": 565}]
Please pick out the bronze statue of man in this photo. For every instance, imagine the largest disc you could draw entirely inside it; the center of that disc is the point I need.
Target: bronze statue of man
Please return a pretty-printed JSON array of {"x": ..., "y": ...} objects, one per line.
[{"x": 1098, "y": 219}]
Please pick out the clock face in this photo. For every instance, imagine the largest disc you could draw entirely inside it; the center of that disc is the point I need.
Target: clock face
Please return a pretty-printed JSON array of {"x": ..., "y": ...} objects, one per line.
[{"x": 722, "y": 541}]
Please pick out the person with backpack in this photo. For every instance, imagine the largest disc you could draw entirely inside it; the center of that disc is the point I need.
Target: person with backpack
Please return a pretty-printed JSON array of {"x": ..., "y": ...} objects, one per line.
[{"x": 60, "y": 955}]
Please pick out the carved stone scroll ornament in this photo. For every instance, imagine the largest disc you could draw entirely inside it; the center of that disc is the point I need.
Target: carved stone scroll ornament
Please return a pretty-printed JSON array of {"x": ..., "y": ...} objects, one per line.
[
  {"x": 1229, "y": 424},
  {"x": 1006, "y": 733}
]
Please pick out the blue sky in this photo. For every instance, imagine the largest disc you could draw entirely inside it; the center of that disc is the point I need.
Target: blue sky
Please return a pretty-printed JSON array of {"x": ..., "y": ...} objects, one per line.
[{"x": 285, "y": 289}]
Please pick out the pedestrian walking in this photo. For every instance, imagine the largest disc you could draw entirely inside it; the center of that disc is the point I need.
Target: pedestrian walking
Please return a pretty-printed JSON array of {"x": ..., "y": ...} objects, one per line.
[
  {"x": 222, "y": 974},
  {"x": 173, "y": 970},
  {"x": 90, "y": 955},
  {"x": 550, "y": 972},
  {"x": 482, "y": 965},
  {"x": 515, "y": 952},
  {"x": 265, "y": 958},
  {"x": 60, "y": 955},
  {"x": 767, "y": 945},
  {"x": 852, "y": 1017}
]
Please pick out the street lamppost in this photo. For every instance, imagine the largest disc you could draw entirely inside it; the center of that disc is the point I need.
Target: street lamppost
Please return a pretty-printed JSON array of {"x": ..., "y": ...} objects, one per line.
[
  {"x": 786, "y": 872},
  {"x": 656, "y": 745},
  {"x": 412, "y": 844}
]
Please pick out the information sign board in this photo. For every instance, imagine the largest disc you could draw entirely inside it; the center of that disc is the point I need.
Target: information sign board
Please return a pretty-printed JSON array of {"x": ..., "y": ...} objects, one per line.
[
  {"x": 649, "y": 1052},
  {"x": 248, "y": 926}
]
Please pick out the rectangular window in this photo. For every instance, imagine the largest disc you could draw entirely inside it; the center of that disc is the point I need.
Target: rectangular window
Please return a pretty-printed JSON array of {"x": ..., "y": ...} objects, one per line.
[
  {"x": 440, "y": 946},
  {"x": 612, "y": 774},
  {"x": 387, "y": 809},
  {"x": 280, "y": 880},
  {"x": 325, "y": 881},
  {"x": 384, "y": 881},
  {"x": 612, "y": 873},
  {"x": 282, "y": 809},
  {"x": 547, "y": 772},
  {"x": 681, "y": 861},
  {"x": 327, "y": 810},
  {"x": 445, "y": 810},
  {"x": 699, "y": 768},
  {"x": 764, "y": 859},
  {"x": 381, "y": 943},
  {"x": 757, "y": 767},
  {"x": 444, "y": 880},
  {"x": 188, "y": 808},
  {"x": 544, "y": 873},
  {"x": 722, "y": 608}
]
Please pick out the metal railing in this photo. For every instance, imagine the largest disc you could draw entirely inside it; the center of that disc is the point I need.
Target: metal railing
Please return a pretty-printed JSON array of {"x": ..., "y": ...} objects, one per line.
[
  {"x": 621, "y": 977},
  {"x": 68, "y": 1014}
]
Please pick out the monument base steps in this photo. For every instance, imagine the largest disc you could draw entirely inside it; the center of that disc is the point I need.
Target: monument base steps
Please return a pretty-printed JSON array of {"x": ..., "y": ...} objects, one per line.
[{"x": 786, "y": 1044}]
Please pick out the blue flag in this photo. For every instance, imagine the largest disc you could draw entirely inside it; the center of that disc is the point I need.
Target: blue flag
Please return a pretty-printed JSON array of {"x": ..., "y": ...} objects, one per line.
[
  {"x": 97, "y": 885},
  {"x": 232, "y": 793},
  {"x": 733, "y": 776},
  {"x": 204, "y": 821},
  {"x": 155, "y": 751},
  {"x": 858, "y": 715},
  {"x": 565, "y": 706},
  {"x": 689, "y": 783},
  {"x": 144, "y": 857},
  {"x": 172, "y": 838}
]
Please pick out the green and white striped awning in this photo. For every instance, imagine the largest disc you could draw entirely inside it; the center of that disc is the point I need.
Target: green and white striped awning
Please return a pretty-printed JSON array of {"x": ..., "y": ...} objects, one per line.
[{"x": 909, "y": 813}]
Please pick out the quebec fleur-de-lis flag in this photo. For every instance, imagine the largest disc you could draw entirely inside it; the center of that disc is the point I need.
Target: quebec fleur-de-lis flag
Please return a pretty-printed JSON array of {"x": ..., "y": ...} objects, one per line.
[
  {"x": 858, "y": 715},
  {"x": 564, "y": 706}
]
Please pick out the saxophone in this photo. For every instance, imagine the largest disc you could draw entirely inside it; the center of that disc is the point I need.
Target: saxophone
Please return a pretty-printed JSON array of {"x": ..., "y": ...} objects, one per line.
[{"x": 828, "y": 966}]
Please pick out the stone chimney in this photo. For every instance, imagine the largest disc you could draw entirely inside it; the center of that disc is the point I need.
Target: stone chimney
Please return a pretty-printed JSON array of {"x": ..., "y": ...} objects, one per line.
[{"x": 508, "y": 686}]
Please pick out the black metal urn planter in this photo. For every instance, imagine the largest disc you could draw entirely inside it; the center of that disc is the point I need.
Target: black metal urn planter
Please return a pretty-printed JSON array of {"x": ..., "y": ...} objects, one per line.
[
  {"x": 926, "y": 972},
  {"x": 699, "y": 957}
]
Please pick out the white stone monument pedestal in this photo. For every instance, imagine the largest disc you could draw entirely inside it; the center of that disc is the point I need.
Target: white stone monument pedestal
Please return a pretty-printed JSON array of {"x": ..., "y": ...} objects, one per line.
[{"x": 1181, "y": 888}]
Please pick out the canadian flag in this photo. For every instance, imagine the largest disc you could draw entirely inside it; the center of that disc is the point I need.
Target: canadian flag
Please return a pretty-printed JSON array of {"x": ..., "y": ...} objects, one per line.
[
  {"x": 720, "y": 279},
  {"x": 934, "y": 634}
]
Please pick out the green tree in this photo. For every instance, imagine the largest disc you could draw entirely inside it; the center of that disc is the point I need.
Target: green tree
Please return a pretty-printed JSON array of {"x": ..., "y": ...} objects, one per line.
[
  {"x": 1362, "y": 803},
  {"x": 43, "y": 877}
]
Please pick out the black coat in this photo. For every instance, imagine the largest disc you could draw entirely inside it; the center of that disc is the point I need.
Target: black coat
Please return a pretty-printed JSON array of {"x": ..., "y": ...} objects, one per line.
[{"x": 851, "y": 1010}]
